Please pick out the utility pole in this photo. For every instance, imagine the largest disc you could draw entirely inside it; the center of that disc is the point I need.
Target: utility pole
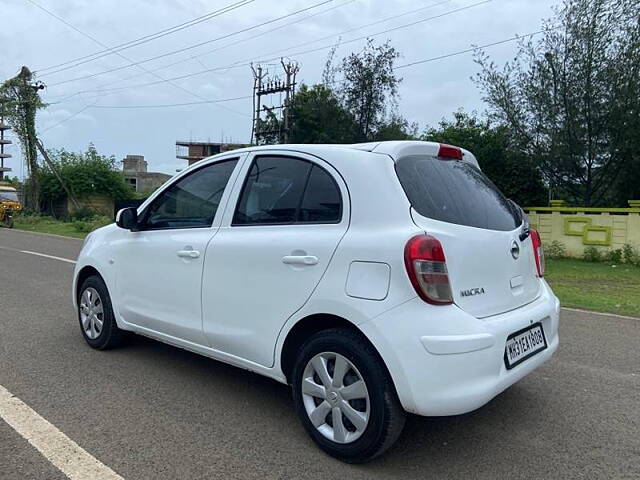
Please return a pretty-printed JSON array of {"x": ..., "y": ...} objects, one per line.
[
  {"x": 53, "y": 168},
  {"x": 20, "y": 103},
  {"x": 273, "y": 128},
  {"x": 290, "y": 70},
  {"x": 20, "y": 99}
]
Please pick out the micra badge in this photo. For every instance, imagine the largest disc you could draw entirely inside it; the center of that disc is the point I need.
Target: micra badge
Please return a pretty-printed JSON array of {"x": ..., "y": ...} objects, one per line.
[{"x": 472, "y": 291}]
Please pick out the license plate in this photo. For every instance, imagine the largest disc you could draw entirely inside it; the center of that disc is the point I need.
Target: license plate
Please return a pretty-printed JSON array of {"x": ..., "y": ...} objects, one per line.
[{"x": 524, "y": 344}]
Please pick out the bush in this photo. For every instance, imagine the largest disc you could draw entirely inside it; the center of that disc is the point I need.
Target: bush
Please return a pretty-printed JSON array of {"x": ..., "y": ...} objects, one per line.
[
  {"x": 91, "y": 224},
  {"x": 592, "y": 254},
  {"x": 84, "y": 173},
  {"x": 82, "y": 213},
  {"x": 81, "y": 226},
  {"x": 630, "y": 255},
  {"x": 555, "y": 249},
  {"x": 614, "y": 256},
  {"x": 30, "y": 218}
]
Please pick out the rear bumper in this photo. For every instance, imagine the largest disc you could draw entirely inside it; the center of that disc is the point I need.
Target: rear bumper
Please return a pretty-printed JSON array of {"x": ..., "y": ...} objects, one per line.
[{"x": 447, "y": 362}]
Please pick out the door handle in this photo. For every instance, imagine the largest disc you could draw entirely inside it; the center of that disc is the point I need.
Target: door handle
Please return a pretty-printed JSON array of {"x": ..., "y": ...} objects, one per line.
[
  {"x": 300, "y": 259},
  {"x": 188, "y": 253}
]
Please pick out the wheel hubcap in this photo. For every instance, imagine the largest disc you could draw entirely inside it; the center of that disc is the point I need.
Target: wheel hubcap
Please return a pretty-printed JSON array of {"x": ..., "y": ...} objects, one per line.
[
  {"x": 91, "y": 313},
  {"x": 335, "y": 397}
]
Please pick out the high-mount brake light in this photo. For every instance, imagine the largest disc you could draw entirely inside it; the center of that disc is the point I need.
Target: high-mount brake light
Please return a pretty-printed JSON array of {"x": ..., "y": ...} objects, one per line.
[
  {"x": 427, "y": 269},
  {"x": 538, "y": 251},
  {"x": 449, "y": 151}
]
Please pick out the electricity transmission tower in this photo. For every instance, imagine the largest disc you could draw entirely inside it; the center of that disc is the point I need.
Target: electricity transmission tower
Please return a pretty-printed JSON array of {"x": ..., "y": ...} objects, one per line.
[{"x": 273, "y": 124}]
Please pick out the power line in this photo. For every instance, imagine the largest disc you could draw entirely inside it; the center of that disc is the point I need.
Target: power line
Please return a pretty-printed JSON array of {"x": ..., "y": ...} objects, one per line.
[
  {"x": 95, "y": 40},
  {"x": 75, "y": 114},
  {"x": 180, "y": 50},
  {"x": 244, "y": 63},
  {"x": 167, "y": 105},
  {"x": 101, "y": 88},
  {"x": 406, "y": 65},
  {"x": 233, "y": 44},
  {"x": 472, "y": 49},
  {"x": 140, "y": 40},
  {"x": 309, "y": 42}
]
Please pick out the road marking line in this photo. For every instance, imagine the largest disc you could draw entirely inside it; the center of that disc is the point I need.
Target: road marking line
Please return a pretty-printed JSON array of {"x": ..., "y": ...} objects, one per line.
[
  {"x": 48, "y": 256},
  {"x": 55, "y": 446},
  {"x": 42, "y": 234},
  {"x": 601, "y": 314}
]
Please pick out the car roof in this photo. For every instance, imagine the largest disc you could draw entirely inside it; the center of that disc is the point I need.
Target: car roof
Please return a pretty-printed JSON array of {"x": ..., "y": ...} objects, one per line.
[{"x": 396, "y": 149}]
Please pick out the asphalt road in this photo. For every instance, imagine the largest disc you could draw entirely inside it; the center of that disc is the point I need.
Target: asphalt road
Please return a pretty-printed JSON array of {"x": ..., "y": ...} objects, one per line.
[{"x": 151, "y": 411}]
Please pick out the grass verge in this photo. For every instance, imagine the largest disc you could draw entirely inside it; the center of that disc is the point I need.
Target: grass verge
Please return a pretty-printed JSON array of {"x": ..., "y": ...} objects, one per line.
[
  {"x": 601, "y": 287},
  {"x": 75, "y": 228}
]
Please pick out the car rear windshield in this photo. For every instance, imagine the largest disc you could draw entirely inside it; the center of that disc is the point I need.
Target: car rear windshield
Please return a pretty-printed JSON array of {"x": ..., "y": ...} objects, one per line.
[{"x": 454, "y": 191}]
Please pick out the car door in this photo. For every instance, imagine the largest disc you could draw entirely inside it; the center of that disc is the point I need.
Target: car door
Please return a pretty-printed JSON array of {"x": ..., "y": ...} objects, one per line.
[
  {"x": 271, "y": 251},
  {"x": 159, "y": 267}
]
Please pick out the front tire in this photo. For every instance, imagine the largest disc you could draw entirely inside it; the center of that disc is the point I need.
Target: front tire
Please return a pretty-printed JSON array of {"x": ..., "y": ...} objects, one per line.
[
  {"x": 95, "y": 314},
  {"x": 345, "y": 397}
]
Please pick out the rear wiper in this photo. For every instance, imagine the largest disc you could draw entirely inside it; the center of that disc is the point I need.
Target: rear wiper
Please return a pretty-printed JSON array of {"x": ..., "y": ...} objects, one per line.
[{"x": 526, "y": 231}]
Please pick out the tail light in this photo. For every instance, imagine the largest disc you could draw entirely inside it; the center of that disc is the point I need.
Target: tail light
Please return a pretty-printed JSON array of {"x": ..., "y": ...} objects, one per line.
[
  {"x": 538, "y": 252},
  {"x": 427, "y": 269}
]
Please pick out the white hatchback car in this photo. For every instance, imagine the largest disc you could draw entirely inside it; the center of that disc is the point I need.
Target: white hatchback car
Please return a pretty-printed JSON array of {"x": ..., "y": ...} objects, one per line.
[{"x": 376, "y": 279}]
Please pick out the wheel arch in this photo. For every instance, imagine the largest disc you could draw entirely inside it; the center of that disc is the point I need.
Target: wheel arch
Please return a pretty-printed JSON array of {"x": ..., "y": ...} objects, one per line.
[
  {"x": 84, "y": 273},
  {"x": 308, "y": 326}
]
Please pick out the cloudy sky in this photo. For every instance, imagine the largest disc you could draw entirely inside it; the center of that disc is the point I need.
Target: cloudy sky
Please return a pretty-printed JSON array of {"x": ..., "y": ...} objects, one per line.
[{"x": 80, "y": 92}]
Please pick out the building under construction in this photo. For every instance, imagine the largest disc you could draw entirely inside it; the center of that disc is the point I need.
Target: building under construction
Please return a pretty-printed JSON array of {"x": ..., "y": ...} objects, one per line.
[{"x": 193, "y": 152}]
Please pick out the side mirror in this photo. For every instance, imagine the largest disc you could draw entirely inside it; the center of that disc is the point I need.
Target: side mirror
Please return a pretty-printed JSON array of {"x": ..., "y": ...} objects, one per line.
[{"x": 127, "y": 218}]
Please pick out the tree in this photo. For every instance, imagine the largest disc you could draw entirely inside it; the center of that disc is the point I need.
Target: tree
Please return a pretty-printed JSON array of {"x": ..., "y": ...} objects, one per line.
[
  {"x": 84, "y": 173},
  {"x": 20, "y": 101},
  {"x": 512, "y": 171},
  {"x": 320, "y": 118},
  {"x": 396, "y": 128},
  {"x": 13, "y": 181},
  {"x": 572, "y": 99},
  {"x": 270, "y": 127},
  {"x": 368, "y": 87}
]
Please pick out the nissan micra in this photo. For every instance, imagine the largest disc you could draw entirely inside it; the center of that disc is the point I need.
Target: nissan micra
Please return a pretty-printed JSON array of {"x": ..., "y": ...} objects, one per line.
[{"x": 375, "y": 279}]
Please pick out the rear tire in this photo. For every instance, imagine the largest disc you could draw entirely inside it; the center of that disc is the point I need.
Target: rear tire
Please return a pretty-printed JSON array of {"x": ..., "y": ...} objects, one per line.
[
  {"x": 95, "y": 314},
  {"x": 357, "y": 397}
]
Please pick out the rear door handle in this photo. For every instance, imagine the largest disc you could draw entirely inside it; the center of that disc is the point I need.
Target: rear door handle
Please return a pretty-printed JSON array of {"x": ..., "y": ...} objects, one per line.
[
  {"x": 300, "y": 259},
  {"x": 188, "y": 253}
]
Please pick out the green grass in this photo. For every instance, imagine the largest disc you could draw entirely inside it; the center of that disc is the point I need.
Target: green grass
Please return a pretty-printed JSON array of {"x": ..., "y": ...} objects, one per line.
[
  {"x": 43, "y": 224},
  {"x": 601, "y": 287}
]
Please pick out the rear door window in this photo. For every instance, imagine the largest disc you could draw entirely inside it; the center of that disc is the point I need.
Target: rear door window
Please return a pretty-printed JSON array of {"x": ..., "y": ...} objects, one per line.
[
  {"x": 273, "y": 191},
  {"x": 286, "y": 190},
  {"x": 455, "y": 192},
  {"x": 321, "y": 202}
]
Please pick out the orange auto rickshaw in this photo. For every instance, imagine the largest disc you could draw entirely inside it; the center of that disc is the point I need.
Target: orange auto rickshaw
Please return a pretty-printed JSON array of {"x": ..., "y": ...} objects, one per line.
[{"x": 9, "y": 205}]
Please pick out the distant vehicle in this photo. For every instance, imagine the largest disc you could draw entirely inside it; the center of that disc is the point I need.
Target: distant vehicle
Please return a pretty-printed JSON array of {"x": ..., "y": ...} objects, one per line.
[
  {"x": 9, "y": 204},
  {"x": 376, "y": 279}
]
